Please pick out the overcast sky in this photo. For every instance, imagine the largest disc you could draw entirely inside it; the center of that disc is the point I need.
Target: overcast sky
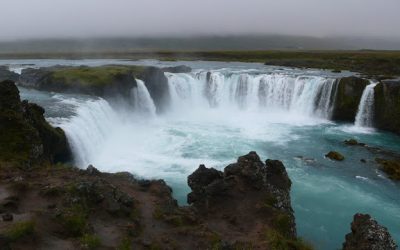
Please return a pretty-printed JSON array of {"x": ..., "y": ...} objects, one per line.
[{"x": 94, "y": 18}]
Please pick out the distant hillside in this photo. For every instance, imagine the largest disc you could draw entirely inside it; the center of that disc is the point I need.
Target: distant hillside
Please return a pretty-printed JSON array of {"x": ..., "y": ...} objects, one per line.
[{"x": 203, "y": 43}]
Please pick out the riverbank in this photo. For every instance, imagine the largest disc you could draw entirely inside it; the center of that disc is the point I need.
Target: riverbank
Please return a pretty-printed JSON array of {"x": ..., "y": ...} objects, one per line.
[{"x": 371, "y": 63}]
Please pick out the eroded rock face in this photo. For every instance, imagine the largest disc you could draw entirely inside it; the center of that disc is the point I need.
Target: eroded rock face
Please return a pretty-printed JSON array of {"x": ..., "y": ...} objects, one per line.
[
  {"x": 387, "y": 106},
  {"x": 157, "y": 85},
  {"x": 367, "y": 234},
  {"x": 348, "y": 96},
  {"x": 27, "y": 138},
  {"x": 177, "y": 69},
  {"x": 245, "y": 188},
  {"x": 6, "y": 74}
]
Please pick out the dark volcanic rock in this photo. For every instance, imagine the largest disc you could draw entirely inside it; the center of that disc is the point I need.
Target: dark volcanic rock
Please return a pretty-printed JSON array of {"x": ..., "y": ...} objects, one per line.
[
  {"x": 348, "y": 96},
  {"x": 367, "y": 234},
  {"x": 387, "y": 106},
  {"x": 242, "y": 186},
  {"x": 6, "y": 74},
  {"x": 7, "y": 217},
  {"x": 390, "y": 167},
  {"x": 92, "y": 170},
  {"x": 177, "y": 69},
  {"x": 32, "y": 77},
  {"x": 333, "y": 155},
  {"x": 157, "y": 85},
  {"x": 27, "y": 138}
]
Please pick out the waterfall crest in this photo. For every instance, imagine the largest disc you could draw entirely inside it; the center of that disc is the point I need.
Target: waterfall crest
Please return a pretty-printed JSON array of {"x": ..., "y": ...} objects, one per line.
[
  {"x": 303, "y": 95},
  {"x": 88, "y": 129},
  {"x": 365, "y": 114},
  {"x": 142, "y": 100}
]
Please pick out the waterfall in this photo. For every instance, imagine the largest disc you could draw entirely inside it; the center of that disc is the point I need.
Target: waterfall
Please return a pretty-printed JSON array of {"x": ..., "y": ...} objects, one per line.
[
  {"x": 302, "y": 95},
  {"x": 88, "y": 129},
  {"x": 364, "y": 117},
  {"x": 142, "y": 99},
  {"x": 95, "y": 121}
]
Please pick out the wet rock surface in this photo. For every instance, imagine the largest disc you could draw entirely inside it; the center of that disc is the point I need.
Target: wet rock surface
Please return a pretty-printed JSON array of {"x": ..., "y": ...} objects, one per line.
[
  {"x": 367, "y": 234},
  {"x": 157, "y": 85},
  {"x": 6, "y": 74},
  {"x": 386, "y": 160},
  {"x": 348, "y": 95},
  {"x": 387, "y": 106},
  {"x": 336, "y": 156}
]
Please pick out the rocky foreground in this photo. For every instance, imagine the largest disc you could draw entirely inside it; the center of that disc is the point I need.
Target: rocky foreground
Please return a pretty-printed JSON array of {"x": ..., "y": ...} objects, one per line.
[{"x": 47, "y": 204}]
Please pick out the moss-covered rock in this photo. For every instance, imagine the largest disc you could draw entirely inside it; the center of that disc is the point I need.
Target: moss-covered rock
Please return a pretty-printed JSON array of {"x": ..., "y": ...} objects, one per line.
[
  {"x": 348, "y": 96},
  {"x": 104, "y": 81},
  {"x": 390, "y": 167},
  {"x": 336, "y": 156},
  {"x": 387, "y": 106},
  {"x": 27, "y": 139}
]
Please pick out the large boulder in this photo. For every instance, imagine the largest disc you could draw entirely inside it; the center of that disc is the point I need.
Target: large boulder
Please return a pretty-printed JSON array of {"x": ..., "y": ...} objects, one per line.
[
  {"x": 246, "y": 189},
  {"x": 387, "y": 106},
  {"x": 348, "y": 96},
  {"x": 367, "y": 234},
  {"x": 27, "y": 139}
]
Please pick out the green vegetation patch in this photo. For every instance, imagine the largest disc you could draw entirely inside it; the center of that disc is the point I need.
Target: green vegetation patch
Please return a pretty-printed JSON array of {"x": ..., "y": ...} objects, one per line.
[
  {"x": 277, "y": 241},
  {"x": 93, "y": 76},
  {"x": 90, "y": 241},
  {"x": 20, "y": 230},
  {"x": 75, "y": 220}
]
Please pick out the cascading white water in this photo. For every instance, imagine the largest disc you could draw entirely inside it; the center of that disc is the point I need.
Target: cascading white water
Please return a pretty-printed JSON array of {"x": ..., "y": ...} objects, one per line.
[
  {"x": 364, "y": 117},
  {"x": 142, "y": 99},
  {"x": 309, "y": 96},
  {"x": 88, "y": 129}
]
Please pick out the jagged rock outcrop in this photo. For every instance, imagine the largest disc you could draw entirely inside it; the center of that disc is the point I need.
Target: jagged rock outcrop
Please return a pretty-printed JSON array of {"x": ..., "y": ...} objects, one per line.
[
  {"x": 348, "y": 95},
  {"x": 249, "y": 186},
  {"x": 157, "y": 85},
  {"x": 6, "y": 74},
  {"x": 27, "y": 139},
  {"x": 105, "y": 81},
  {"x": 387, "y": 105},
  {"x": 367, "y": 234}
]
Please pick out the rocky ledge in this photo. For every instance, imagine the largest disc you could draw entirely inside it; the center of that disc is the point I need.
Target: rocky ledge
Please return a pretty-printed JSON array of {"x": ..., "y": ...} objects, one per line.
[
  {"x": 245, "y": 207},
  {"x": 26, "y": 138},
  {"x": 104, "y": 81},
  {"x": 386, "y": 102},
  {"x": 367, "y": 234}
]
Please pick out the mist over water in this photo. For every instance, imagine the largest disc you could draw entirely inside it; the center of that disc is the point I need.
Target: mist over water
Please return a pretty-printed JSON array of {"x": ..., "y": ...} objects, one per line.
[{"x": 219, "y": 112}]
